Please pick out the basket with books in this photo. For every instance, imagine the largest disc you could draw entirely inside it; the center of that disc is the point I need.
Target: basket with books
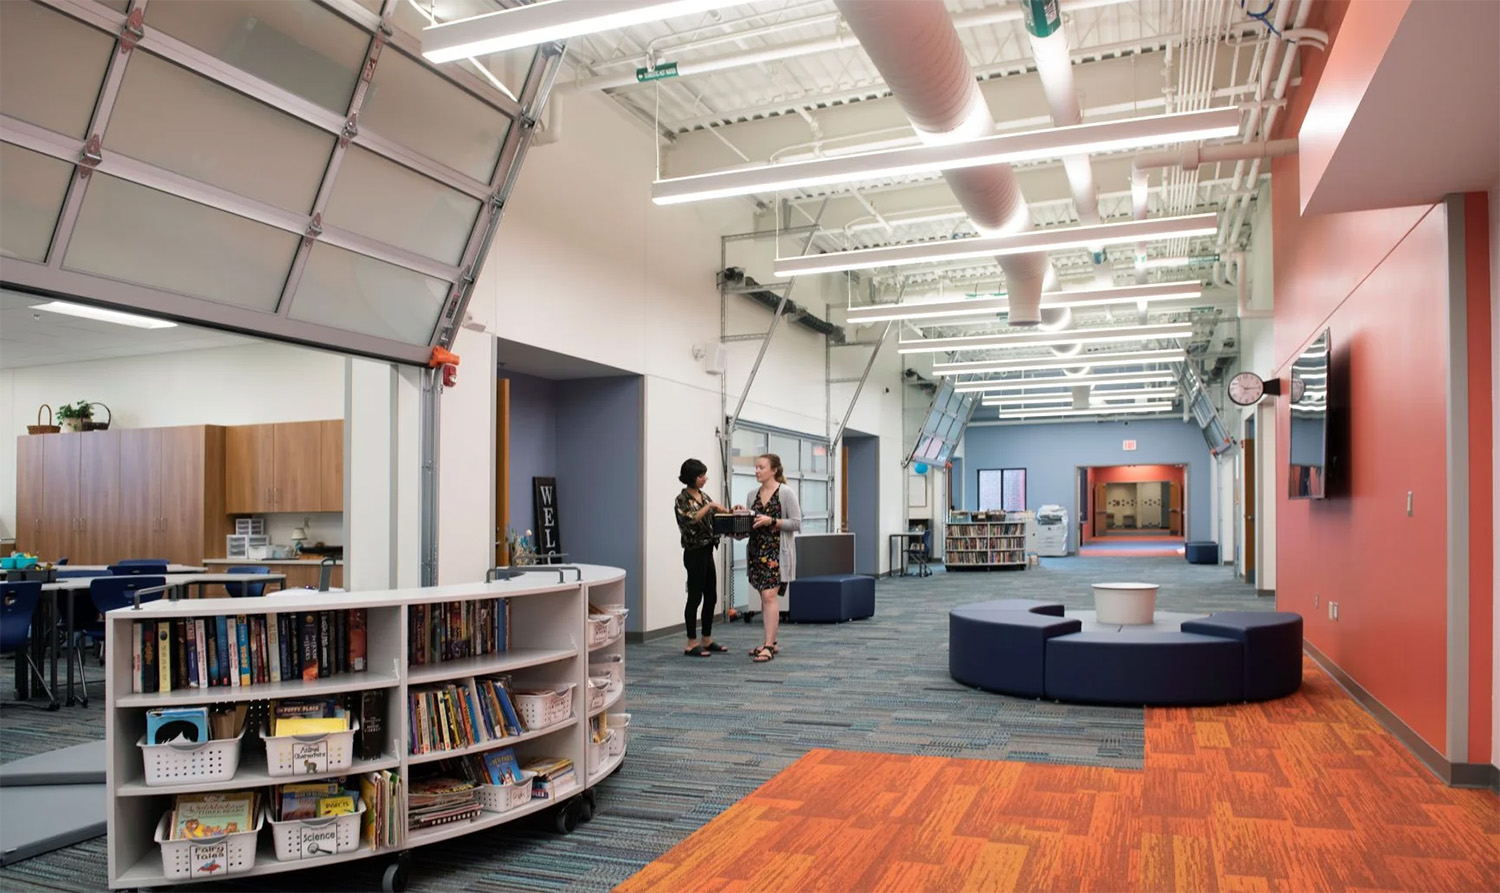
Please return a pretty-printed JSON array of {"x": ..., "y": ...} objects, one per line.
[
  {"x": 333, "y": 831},
  {"x": 599, "y": 751},
  {"x": 618, "y": 723},
  {"x": 507, "y": 796},
  {"x": 539, "y": 709},
  {"x": 309, "y": 736},
  {"x": 209, "y": 835},
  {"x": 184, "y": 745}
]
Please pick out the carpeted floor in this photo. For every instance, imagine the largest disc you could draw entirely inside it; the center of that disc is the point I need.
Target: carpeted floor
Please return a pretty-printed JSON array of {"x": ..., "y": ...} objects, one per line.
[
  {"x": 1306, "y": 793},
  {"x": 706, "y": 732}
]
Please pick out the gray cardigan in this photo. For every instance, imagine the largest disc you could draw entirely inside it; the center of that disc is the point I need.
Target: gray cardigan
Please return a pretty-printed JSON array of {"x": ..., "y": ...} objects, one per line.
[{"x": 791, "y": 523}]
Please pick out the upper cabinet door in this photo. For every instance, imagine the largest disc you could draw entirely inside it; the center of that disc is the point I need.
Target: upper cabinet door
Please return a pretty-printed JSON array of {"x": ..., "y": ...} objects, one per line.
[
  {"x": 331, "y": 467},
  {"x": 249, "y": 475},
  {"x": 298, "y": 452}
]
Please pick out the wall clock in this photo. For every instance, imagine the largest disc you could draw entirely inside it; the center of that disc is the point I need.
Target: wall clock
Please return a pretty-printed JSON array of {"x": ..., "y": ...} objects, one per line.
[{"x": 1247, "y": 388}]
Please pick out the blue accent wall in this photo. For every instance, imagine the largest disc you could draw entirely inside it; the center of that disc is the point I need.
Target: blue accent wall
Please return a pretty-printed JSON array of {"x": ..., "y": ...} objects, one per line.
[
  {"x": 864, "y": 501},
  {"x": 1051, "y": 455},
  {"x": 533, "y": 440}
]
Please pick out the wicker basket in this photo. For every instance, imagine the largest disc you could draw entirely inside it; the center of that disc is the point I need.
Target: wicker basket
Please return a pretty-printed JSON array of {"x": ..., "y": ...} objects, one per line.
[
  {"x": 39, "y": 428},
  {"x": 91, "y": 425}
]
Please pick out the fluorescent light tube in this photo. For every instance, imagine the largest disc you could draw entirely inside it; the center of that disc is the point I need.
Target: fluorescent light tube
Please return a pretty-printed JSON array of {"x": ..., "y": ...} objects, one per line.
[
  {"x": 549, "y": 20},
  {"x": 1043, "y": 339},
  {"x": 1120, "y": 358},
  {"x": 996, "y": 386},
  {"x": 1034, "y": 398},
  {"x": 1160, "y": 263},
  {"x": 1092, "y": 297},
  {"x": 994, "y": 246},
  {"x": 1008, "y": 148},
  {"x": 1096, "y": 398},
  {"x": 1064, "y": 413},
  {"x": 100, "y": 314}
]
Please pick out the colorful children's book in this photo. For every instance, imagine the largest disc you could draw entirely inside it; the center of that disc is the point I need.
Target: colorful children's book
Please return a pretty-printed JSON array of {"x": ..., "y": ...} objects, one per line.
[
  {"x": 177, "y": 724},
  {"x": 198, "y": 816}
]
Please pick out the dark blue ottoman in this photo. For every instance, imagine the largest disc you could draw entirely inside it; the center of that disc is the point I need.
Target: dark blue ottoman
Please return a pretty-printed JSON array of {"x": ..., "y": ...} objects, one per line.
[
  {"x": 831, "y": 599},
  {"x": 1145, "y": 667},
  {"x": 1272, "y": 642},
  {"x": 1202, "y": 552},
  {"x": 1001, "y": 649}
]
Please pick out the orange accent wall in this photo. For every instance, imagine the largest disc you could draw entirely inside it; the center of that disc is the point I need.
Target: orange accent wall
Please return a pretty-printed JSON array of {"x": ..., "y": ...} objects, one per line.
[
  {"x": 1378, "y": 279},
  {"x": 1133, "y": 474}
]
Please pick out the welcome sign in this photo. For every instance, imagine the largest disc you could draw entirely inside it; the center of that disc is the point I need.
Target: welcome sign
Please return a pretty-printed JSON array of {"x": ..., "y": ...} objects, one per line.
[{"x": 545, "y": 521}]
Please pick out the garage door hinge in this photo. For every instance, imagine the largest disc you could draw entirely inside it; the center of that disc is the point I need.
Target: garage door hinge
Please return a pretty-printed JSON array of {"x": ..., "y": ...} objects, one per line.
[
  {"x": 350, "y": 130},
  {"x": 134, "y": 30},
  {"x": 314, "y": 229},
  {"x": 92, "y": 154}
]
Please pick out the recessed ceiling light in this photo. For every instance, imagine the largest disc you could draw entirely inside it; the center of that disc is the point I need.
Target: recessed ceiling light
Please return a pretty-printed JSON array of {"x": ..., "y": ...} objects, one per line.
[{"x": 102, "y": 315}]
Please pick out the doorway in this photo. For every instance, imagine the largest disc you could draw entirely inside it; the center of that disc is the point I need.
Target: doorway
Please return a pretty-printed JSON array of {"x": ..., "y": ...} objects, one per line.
[
  {"x": 1132, "y": 501},
  {"x": 860, "y": 496}
]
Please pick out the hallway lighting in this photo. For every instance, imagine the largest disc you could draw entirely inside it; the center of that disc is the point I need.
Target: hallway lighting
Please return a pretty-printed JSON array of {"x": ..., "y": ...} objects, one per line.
[
  {"x": 1096, "y": 398},
  {"x": 1093, "y": 297},
  {"x": 1000, "y": 385},
  {"x": 1055, "y": 239},
  {"x": 1025, "y": 398},
  {"x": 1009, "y": 148},
  {"x": 100, "y": 314},
  {"x": 1120, "y": 358},
  {"x": 1064, "y": 413},
  {"x": 1043, "y": 339},
  {"x": 548, "y": 20}
]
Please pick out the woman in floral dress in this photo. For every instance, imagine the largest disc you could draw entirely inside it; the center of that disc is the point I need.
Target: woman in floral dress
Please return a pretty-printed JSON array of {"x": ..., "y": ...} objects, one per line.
[{"x": 770, "y": 558}]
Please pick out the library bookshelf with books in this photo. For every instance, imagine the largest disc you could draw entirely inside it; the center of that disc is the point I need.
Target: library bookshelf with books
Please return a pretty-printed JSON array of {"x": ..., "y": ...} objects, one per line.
[
  {"x": 981, "y": 541},
  {"x": 258, "y": 735}
]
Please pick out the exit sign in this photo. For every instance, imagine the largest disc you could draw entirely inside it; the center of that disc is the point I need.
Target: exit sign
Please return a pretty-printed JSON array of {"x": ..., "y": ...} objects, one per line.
[
  {"x": 1129, "y": 445},
  {"x": 660, "y": 72}
]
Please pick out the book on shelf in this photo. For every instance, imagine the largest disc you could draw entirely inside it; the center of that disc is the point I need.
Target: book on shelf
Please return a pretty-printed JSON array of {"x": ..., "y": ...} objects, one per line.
[
  {"x": 170, "y": 725},
  {"x": 370, "y": 708},
  {"x": 201, "y": 816},
  {"x": 237, "y": 650},
  {"x": 446, "y": 631}
]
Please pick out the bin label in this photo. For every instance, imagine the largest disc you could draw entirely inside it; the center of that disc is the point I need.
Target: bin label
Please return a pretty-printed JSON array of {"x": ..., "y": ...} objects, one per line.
[
  {"x": 310, "y": 759},
  {"x": 208, "y": 860},
  {"x": 320, "y": 841}
]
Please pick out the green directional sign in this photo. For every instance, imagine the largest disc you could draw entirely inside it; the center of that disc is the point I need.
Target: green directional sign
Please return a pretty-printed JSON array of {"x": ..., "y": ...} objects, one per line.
[
  {"x": 659, "y": 73},
  {"x": 1042, "y": 16}
]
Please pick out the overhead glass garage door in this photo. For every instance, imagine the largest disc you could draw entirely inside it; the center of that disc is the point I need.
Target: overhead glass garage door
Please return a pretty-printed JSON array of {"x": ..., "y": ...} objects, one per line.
[{"x": 286, "y": 168}]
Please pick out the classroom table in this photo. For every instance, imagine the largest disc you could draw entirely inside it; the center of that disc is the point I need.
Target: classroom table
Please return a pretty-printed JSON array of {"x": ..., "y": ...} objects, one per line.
[{"x": 900, "y": 544}]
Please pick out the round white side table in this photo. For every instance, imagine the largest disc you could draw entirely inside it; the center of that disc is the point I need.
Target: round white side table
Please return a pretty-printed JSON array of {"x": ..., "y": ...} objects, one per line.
[{"x": 1125, "y": 603}]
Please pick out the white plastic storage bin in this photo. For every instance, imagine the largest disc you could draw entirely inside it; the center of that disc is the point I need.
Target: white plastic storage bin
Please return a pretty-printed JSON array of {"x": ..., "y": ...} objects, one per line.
[
  {"x": 618, "y": 723},
  {"x": 310, "y": 754},
  {"x": 598, "y": 692},
  {"x": 209, "y": 857},
  {"x": 611, "y": 666},
  {"x": 599, "y": 625},
  {"x": 599, "y": 751},
  {"x": 505, "y": 797},
  {"x": 310, "y": 838},
  {"x": 537, "y": 711},
  {"x": 617, "y": 617},
  {"x": 214, "y": 760}
]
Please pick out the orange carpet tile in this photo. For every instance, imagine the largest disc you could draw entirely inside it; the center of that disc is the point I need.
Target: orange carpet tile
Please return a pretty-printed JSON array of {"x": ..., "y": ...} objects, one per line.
[{"x": 1306, "y": 793}]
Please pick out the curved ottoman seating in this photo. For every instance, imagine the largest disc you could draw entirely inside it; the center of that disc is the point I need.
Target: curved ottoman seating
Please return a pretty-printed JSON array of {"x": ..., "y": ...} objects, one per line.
[
  {"x": 1000, "y": 646},
  {"x": 1272, "y": 642},
  {"x": 1145, "y": 667}
]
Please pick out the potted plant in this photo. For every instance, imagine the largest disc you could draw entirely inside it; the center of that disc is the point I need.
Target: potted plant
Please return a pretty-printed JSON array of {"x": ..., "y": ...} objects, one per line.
[{"x": 73, "y": 416}]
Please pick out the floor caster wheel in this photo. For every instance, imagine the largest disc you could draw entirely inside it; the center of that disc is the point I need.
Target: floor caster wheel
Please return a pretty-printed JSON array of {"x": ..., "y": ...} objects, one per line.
[
  {"x": 397, "y": 876},
  {"x": 566, "y": 819},
  {"x": 586, "y": 809},
  {"x": 590, "y": 799}
]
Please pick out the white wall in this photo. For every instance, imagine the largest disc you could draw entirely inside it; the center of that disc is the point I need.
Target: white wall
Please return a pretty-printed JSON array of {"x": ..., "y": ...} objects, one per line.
[{"x": 252, "y": 384}]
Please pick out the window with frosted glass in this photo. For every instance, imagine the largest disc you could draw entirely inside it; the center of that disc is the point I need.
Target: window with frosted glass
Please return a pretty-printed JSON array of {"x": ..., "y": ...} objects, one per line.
[
  {"x": 361, "y": 294},
  {"x": 51, "y": 67},
  {"x": 385, "y": 201},
  {"x": 172, "y": 118},
  {"x": 416, "y": 107},
  {"x": 32, "y": 189},
  {"x": 745, "y": 445},
  {"x": 789, "y": 449},
  {"x": 300, "y": 47},
  {"x": 126, "y": 231}
]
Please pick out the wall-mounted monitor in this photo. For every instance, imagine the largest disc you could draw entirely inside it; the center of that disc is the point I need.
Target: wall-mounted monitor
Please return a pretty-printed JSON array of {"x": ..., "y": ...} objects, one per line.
[{"x": 1312, "y": 439}]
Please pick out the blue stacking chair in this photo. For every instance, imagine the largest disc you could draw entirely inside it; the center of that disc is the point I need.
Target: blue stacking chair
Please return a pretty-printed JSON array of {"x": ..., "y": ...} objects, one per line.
[
  {"x": 107, "y": 594},
  {"x": 138, "y": 567},
  {"x": 125, "y": 561},
  {"x": 247, "y": 590},
  {"x": 67, "y": 574},
  {"x": 18, "y": 604}
]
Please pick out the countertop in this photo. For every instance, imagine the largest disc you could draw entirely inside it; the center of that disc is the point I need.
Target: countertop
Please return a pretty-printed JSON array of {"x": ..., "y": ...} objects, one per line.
[{"x": 310, "y": 561}]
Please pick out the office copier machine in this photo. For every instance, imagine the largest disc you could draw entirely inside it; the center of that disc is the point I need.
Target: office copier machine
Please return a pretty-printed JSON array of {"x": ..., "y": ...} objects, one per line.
[{"x": 1052, "y": 531}]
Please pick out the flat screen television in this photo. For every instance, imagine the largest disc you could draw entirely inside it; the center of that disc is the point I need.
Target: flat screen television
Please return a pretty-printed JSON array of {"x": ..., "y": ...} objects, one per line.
[{"x": 1313, "y": 440}]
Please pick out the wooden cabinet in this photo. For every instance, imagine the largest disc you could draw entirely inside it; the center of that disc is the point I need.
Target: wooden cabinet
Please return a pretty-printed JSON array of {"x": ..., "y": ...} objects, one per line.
[
  {"x": 285, "y": 467},
  {"x": 99, "y": 496}
]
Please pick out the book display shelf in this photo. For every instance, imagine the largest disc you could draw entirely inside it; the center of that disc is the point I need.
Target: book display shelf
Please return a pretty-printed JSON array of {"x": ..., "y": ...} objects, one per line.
[
  {"x": 432, "y": 695},
  {"x": 976, "y": 541}
]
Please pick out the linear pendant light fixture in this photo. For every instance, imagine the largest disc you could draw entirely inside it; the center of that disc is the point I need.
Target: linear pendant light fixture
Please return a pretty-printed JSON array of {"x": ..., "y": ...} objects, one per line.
[
  {"x": 1001, "y": 385},
  {"x": 1117, "y": 358},
  {"x": 1096, "y": 398},
  {"x": 1093, "y": 297},
  {"x": 100, "y": 314},
  {"x": 1064, "y": 413},
  {"x": 549, "y": 20},
  {"x": 994, "y": 246},
  {"x": 1045, "y": 339},
  {"x": 1009, "y": 148}
]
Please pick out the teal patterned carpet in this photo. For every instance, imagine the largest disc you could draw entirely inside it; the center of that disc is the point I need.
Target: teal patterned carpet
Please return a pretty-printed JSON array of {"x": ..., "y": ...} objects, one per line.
[{"x": 707, "y": 731}]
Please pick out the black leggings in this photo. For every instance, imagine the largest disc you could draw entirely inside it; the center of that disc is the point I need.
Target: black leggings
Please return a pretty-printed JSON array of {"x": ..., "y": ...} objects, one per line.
[{"x": 702, "y": 585}]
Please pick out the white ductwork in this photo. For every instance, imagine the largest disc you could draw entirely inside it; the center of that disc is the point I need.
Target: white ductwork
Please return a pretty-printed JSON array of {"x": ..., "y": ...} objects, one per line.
[{"x": 915, "y": 47}]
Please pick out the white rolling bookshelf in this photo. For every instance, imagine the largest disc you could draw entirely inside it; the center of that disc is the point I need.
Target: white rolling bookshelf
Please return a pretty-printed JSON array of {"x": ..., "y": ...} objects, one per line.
[
  {"x": 549, "y": 647},
  {"x": 979, "y": 541}
]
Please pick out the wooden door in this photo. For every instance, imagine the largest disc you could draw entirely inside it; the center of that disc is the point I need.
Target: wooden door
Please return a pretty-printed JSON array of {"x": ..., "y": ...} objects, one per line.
[
  {"x": 60, "y": 537},
  {"x": 99, "y": 498},
  {"x": 248, "y": 471},
  {"x": 1174, "y": 502},
  {"x": 1101, "y": 511},
  {"x": 296, "y": 450},
  {"x": 1247, "y": 507},
  {"x": 31, "y": 492},
  {"x": 140, "y": 514},
  {"x": 331, "y": 466},
  {"x": 181, "y": 485}
]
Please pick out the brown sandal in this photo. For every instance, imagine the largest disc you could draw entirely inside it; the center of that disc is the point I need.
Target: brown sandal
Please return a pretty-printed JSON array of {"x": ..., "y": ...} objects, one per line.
[{"x": 763, "y": 654}]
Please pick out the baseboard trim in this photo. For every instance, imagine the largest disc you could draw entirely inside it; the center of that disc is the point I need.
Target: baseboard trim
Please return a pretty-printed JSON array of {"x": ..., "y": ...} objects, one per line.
[
  {"x": 1265, "y": 593},
  {"x": 1458, "y": 775}
]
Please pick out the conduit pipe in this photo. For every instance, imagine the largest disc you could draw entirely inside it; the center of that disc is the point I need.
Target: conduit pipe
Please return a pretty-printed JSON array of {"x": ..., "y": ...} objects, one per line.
[
  {"x": 839, "y": 41},
  {"x": 915, "y": 47}
]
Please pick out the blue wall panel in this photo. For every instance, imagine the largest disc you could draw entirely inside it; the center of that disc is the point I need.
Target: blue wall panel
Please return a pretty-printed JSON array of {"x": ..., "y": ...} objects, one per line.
[
  {"x": 1051, "y": 455},
  {"x": 533, "y": 441}
]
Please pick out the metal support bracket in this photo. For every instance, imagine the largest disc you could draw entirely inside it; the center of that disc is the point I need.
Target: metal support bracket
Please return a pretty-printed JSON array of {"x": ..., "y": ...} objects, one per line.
[
  {"x": 134, "y": 30},
  {"x": 92, "y": 154},
  {"x": 314, "y": 229}
]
